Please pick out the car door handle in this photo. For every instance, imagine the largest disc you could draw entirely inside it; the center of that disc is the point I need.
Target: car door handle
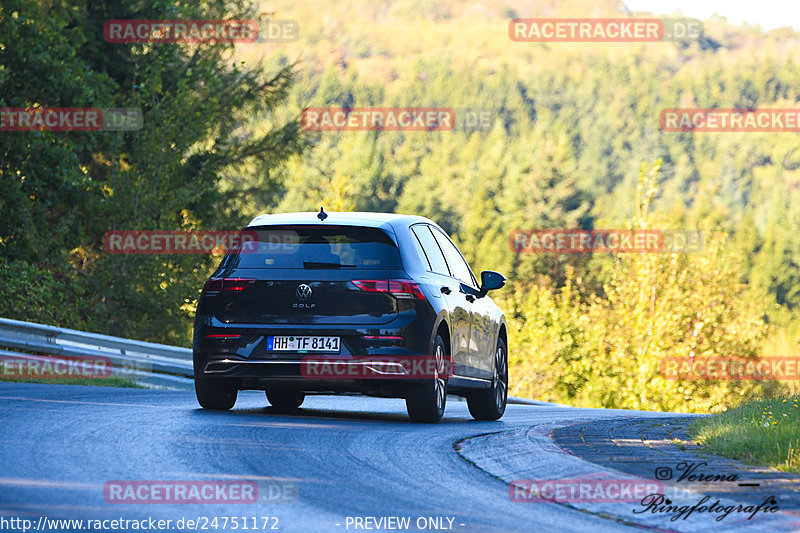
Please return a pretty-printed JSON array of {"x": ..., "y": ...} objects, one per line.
[
  {"x": 445, "y": 289},
  {"x": 470, "y": 298}
]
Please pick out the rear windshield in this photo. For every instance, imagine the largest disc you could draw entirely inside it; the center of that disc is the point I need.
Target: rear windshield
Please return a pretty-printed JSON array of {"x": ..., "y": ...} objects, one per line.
[{"x": 315, "y": 247}]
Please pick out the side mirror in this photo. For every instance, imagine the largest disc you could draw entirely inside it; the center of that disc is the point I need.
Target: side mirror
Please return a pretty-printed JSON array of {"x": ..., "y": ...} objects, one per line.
[{"x": 490, "y": 281}]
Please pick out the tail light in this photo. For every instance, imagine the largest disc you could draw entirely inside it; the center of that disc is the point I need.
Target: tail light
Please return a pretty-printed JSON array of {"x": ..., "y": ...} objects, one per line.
[
  {"x": 399, "y": 288},
  {"x": 217, "y": 285}
]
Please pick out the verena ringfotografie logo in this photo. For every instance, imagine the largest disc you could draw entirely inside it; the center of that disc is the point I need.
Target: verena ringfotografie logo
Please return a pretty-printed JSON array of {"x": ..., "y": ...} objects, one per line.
[
  {"x": 659, "y": 504},
  {"x": 177, "y": 242},
  {"x": 693, "y": 473},
  {"x": 577, "y": 241},
  {"x": 376, "y": 367},
  {"x": 202, "y": 492},
  {"x": 730, "y": 120},
  {"x": 378, "y": 119},
  {"x": 581, "y": 490},
  {"x": 70, "y": 119},
  {"x": 55, "y": 368},
  {"x": 730, "y": 368},
  {"x": 602, "y": 30},
  {"x": 200, "y": 31}
]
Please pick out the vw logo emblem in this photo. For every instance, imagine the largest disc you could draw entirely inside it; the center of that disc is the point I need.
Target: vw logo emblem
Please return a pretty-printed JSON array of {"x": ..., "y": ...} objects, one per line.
[{"x": 303, "y": 292}]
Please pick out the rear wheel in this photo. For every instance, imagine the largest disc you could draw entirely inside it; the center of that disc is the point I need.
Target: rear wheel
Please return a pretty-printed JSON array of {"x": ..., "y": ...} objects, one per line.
[
  {"x": 216, "y": 394},
  {"x": 490, "y": 404},
  {"x": 285, "y": 399},
  {"x": 425, "y": 401}
]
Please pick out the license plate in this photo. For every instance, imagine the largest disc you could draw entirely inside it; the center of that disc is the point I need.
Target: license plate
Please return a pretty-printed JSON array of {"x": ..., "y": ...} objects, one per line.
[{"x": 303, "y": 343}]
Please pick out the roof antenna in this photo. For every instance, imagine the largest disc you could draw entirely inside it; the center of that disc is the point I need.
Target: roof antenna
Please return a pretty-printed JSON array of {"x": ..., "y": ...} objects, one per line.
[{"x": 322, "y": 215}]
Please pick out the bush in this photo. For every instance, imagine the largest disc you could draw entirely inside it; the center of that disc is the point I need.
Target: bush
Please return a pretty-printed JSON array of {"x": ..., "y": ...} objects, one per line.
[{"x": 602, "y": 348}]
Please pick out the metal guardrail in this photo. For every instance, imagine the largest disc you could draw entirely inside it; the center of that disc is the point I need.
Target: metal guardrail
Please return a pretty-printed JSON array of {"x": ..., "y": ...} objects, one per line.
[
  {"x": 129, "y": 358},
  {"x": 145, "y": 362}
]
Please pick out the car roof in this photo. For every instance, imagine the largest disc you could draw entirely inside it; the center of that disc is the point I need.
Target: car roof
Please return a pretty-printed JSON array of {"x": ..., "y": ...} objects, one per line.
[{"x": 345, "y": 218}]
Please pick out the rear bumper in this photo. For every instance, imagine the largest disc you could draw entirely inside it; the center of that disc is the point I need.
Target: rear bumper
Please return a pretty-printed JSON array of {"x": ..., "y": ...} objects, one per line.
[
  {"x": 377, "y": 378},
  {"x": 408, "y": 334},
  {"x": 293, "y": 368},
  {"x": 244, "y": 358}
]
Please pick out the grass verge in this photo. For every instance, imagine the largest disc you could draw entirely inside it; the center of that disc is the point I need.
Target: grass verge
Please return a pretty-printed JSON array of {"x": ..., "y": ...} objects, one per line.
[
  {"x": 105, "y": 382},
  {"x": 761, "y": 432}
]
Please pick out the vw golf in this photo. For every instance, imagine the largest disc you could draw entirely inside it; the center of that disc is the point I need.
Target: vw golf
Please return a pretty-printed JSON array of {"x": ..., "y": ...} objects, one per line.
[{"x": 374, "y": 303}]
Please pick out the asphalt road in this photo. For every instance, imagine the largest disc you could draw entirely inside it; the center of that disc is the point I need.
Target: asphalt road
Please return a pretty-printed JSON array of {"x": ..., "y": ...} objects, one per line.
[{"x": 337, "y": 460}]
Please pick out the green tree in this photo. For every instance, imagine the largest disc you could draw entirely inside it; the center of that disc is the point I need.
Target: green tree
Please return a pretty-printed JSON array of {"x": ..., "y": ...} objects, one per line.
[{"x": 63, "y": 190}]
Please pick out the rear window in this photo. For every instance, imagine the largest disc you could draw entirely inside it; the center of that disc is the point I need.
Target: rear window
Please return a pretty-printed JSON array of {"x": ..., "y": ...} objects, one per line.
[{"x": 315, "y": 247}]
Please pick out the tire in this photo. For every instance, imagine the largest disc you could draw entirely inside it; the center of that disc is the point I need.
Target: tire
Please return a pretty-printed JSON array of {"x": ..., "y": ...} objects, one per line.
[
  {"x": 490, "y": 404},
  {"x": 285, "y": 399},
  {"x": 215, "y": 394},
  {"x": 425, "y": 402}
]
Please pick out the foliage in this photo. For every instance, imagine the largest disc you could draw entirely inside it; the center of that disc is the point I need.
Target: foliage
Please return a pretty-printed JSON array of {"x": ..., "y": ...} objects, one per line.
[
  {"x": 579, "y": 347},
  {"x": 61, "y": 191}
]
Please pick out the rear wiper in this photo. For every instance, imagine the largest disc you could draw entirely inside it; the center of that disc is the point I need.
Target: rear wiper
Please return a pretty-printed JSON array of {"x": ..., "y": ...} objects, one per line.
[{"x": 323, "y": 264}]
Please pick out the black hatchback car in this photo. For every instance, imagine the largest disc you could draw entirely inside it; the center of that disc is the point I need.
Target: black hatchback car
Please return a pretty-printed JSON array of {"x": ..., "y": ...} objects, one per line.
[{"x": 379, "y": 304}]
